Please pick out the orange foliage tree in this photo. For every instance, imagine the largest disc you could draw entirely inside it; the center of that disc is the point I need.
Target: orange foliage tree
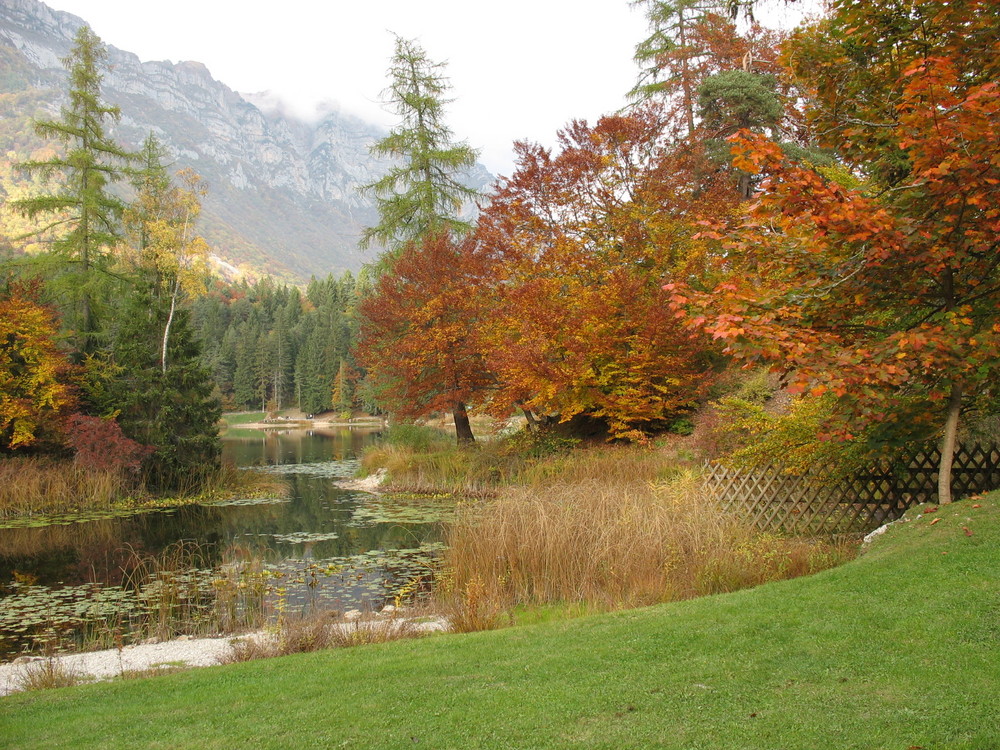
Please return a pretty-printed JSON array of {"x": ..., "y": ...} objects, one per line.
[
  {"x": 417, "y": 332},
  {"x": 887, "y": 297},
  {"x": 34, "y": 374},
  {"x": 579, "y": 243}
]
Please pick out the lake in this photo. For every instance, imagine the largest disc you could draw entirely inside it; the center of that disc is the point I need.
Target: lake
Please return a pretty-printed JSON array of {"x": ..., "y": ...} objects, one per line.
[{"x": 322, "y": 548}]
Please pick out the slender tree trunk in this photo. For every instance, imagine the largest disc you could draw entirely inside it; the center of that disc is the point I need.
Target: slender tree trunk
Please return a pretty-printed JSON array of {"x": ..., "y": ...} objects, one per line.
[
  {"x": 463, "y": 430},
  {"x": 948, "y": 444},
  {"x": 166, "y": 328},
  {"x": 685, "y": 72}
]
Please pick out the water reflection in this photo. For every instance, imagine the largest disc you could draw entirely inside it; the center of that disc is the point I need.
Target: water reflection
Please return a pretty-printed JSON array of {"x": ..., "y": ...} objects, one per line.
[{"x": 326, "y": 545}]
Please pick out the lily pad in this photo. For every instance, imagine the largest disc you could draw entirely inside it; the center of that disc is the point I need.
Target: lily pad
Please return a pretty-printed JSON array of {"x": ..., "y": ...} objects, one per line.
[
  {"x": 330, "y": 469},
  {"x": 250, "y": 501},
  {"x": 301, "y": 537},
  {"x": 407, "y": 509}
]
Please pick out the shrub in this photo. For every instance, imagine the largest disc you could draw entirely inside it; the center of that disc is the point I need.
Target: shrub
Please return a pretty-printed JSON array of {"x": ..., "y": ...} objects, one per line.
[{"x": 100, "y": 444}]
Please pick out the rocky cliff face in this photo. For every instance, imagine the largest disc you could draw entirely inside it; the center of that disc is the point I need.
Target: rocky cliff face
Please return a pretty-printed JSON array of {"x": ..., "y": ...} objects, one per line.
[{"x": 283, "y": 192}]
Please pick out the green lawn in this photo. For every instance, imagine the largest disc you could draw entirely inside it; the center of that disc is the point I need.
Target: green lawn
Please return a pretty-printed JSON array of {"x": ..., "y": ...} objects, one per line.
[
  {"x": 899, "y": 649},
  {"x": 234, "y": 419}
]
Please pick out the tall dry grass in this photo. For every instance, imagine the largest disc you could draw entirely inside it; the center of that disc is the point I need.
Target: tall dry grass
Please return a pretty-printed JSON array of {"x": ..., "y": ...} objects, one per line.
[
  {"x": 37, "y": 485},
  {"x": 42, "y": 485},
  {"x": 316, "y": 633},
  {"x": 484, "y": 469},
  {"x": 609, "y": 534}
]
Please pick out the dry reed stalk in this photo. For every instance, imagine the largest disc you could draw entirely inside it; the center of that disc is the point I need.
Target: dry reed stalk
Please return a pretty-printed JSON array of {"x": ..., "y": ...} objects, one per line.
[
  {"x": 318, "y": 632},
  {"x": 617, "y": 541},
  {"x": 38, "y": 485},
  {"x": 45, "y": 674}
]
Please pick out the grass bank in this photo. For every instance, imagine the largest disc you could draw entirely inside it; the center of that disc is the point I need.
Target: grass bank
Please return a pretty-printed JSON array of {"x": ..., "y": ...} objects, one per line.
[{"x": 897, "y": 649}]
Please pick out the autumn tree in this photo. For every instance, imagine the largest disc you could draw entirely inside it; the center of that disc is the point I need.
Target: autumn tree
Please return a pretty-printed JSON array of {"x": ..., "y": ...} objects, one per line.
[
  {"x": 885, "y": 296},
  {"x": 422, "y": 193},
  {"x": 83, "y": 206},
  {"x": 166, "y": 251},
  {"x": 580, "y": 242},
  {"x": 418, "y": 332},
  {"x": 35, "y": 390}
]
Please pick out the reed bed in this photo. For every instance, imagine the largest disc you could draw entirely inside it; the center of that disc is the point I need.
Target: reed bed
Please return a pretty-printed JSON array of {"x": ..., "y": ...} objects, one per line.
[
  {"x": 47, "y": 486},
  {"x": 41, "y": 485},
  {"x": 610, "y": 538},
  {"x": 484, "y": 469}
]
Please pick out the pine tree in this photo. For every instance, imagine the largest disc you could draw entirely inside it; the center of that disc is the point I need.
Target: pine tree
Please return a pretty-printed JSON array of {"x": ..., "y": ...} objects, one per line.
[
  {"x": 421, "y": 195},
  {"x": 173, "y": 410},
  {"x": 83, "y": 203}
]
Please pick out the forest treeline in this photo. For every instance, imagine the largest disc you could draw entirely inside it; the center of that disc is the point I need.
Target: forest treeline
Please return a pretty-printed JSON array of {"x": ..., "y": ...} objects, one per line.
[{"x": 272, "y": 346}]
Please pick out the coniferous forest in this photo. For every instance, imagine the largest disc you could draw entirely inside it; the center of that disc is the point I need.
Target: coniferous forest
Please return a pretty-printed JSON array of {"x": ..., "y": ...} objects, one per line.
[{"x": 270, "y": 347}]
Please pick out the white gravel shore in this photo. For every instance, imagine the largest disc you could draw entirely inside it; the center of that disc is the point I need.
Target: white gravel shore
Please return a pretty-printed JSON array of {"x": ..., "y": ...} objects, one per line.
[
  {"x": 182, "y": 653},
  {"x": 104, "y": 665}
]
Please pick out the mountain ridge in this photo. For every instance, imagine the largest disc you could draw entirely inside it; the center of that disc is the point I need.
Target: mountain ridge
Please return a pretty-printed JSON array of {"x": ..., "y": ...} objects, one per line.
[{"x": 283, "y": 191}]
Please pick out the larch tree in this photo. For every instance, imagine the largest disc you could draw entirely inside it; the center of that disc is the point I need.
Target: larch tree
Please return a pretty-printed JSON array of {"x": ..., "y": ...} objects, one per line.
[
  {"x": 83, "y": 206},
  {"x": 422, "y": 193},
  {"x": 690, "y": 40}
]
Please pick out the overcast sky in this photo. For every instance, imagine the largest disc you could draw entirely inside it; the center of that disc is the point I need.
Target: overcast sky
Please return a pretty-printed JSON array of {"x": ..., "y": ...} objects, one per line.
[{"x": 520, "y": 69}]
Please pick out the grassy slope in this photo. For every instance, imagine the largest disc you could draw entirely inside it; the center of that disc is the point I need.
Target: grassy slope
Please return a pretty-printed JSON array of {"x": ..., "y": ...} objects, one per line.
[{"x": 899, "y": 649}]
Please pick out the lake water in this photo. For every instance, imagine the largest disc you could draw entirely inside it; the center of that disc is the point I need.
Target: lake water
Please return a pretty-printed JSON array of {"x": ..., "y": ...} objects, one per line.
[{"x": 324, "y": 547}]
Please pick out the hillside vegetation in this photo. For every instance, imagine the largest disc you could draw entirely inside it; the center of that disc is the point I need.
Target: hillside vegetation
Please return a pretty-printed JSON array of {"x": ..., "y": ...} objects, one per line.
[{"x": 833, "y": 660}]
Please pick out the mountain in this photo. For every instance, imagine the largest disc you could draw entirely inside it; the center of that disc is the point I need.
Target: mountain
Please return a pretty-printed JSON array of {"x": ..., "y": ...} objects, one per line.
[{"x": 283, "y": 193}]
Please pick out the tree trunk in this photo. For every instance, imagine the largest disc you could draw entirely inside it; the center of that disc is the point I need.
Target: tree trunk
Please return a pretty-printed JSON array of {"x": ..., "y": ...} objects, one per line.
[
  {"x": 463, "y": 430},
  {"x": 166, "y": 328},
  {"x": 948, "y": 444},
  {"x": 685, "y": 73},
  {"x": 528, "y": 416}
]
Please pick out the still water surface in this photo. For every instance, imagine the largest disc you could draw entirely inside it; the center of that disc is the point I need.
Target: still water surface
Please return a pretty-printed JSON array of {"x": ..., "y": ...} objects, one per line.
[{"x": 366, "y": 546}]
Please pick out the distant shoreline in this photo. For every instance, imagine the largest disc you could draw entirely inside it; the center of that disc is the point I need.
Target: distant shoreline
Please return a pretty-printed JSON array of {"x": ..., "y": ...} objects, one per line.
[{"x": 306, "y": 424}]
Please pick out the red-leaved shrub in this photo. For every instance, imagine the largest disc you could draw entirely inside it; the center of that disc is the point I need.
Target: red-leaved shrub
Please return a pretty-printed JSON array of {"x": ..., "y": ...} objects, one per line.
[{"x": 100, "y": 444}]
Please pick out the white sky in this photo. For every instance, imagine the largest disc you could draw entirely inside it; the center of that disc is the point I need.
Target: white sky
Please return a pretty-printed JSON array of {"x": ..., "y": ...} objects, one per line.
[{"x": 520, "y": 69}]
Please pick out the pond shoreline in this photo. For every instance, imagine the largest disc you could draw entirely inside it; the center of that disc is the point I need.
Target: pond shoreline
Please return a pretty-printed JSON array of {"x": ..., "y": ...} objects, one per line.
[
  {"x": 186, "y": 652},
  {"x": 309, "y": 424}
]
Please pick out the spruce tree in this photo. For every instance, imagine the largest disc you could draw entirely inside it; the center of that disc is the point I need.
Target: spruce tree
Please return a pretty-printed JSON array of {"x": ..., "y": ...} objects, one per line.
[{"x": 173, "y": 410}]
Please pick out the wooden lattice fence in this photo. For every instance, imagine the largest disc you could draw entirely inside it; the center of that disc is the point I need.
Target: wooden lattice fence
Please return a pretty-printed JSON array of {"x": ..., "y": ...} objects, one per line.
[{"x": 774, "y": 500}]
